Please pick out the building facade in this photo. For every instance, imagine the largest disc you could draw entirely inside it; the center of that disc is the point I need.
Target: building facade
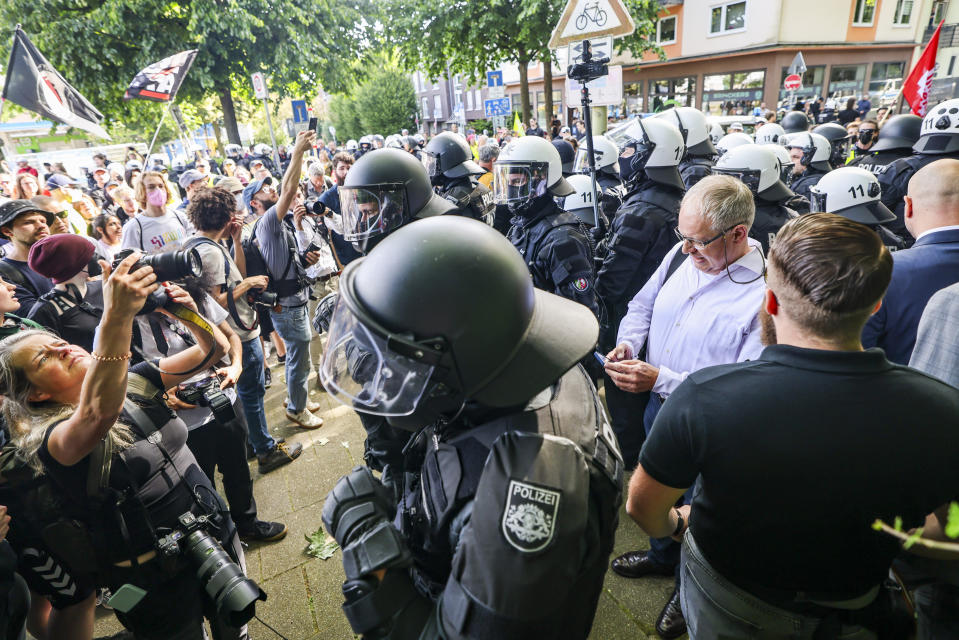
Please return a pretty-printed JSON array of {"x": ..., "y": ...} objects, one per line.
[
  {"x": 446, "y": 101},
  {"x": 730, "y": 56}
]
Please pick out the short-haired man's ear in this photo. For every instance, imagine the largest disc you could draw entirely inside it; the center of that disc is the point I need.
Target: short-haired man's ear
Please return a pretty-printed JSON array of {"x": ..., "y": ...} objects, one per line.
[
  {"x": 771, "y": 302},
  {"x": 907, "y": 208},
  {"x": 6, "y": 232}
]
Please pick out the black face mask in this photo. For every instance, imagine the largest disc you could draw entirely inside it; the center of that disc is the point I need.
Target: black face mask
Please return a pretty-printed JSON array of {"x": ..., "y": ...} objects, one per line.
[{"x": 866, "y": 136}]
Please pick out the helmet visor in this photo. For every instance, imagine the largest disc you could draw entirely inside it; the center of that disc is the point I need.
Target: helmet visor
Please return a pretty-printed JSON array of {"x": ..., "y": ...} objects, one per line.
[
  {"x": 747, "y": 177},
  {"x": 519, "y": 181},
  {"x": 431, "y": 162},
  {"x": 360, "y": 370},
  {"x": 371, "y": 211},
  {"x": 581, "y": 163}
]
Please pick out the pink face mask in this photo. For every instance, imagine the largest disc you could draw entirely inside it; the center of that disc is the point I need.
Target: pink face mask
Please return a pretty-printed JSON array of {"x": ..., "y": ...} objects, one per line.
[{"x": 156, "y": 197}]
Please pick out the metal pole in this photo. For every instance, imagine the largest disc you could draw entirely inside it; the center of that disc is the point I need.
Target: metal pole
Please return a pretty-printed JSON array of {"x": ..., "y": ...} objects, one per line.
[
  {"x": 155, "y": 134},
  {"x": 269, "y": 122},
  {"x": 589, "y": 150}
]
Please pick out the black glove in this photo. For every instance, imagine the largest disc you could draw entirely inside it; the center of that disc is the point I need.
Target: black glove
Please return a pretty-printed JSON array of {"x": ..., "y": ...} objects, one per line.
[{"x": 356, "y": 504}]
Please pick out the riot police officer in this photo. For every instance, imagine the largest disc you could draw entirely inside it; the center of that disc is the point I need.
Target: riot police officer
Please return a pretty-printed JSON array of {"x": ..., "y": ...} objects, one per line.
[
  {"x": 854, "y": 193},
  {"x": 838, "y": 139},
  {"x": 264, "y": 153},
  {"x": 770, "y": 133},
  {"x": 640, "y": 235},
  {"x": 513, "y": 470},
  {"x": 580, "y": 204},
  {"x": 732, "y": 140},
  {"x": 554, "y": 244},
  {"x": 795, "y": 122},
  {"x": 235, "y": 153},
  {"x": 700, "y": 153},
  {"x": 758, "y": 168},
  {"x": 608, "y": 184},
  {"x": 810, "y": 154},
  {"x": 895, "y": 141},
  {"x": 449, "y": 163},
  {"x": 938, "y": 138}
]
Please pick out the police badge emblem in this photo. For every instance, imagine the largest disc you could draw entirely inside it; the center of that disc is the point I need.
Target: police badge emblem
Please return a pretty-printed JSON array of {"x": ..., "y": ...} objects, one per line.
[
  {"x": 529, "y": 517},
  {"x": 581, "y": 284}
]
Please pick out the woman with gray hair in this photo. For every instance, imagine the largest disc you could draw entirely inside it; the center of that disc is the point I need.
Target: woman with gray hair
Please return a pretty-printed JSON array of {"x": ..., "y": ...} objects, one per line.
[{"x": 118, "y": 457}]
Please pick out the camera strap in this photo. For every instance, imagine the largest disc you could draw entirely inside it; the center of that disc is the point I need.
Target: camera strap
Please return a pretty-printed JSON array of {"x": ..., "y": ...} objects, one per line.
[
  {"x": 225, "y": 287},
  {"x": 188, "y": 315}
]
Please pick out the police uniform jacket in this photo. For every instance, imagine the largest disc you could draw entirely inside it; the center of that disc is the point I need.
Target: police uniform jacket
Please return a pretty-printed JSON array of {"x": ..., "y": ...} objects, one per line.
[
  {"x": 472, "y": 199},
  {"x": 640, "y": 236},
  {"x": 557, "y": 250},
  {"x": 803, "y": 182},
  {"x": 770, "y": 217},
  {"x": 877, "y": 162}
]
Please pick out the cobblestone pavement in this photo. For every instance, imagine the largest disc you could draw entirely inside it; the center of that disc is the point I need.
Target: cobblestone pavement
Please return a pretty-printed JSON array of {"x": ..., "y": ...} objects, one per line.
[{"x": 304, "y": 592}]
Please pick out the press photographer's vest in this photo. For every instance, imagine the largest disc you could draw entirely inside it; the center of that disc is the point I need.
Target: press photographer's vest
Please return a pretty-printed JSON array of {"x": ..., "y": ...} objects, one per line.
[{"x": 293, "y": 279}]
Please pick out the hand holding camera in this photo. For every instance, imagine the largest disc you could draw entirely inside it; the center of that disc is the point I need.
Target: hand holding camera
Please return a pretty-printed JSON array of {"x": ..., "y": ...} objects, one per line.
[{"x": 126, "y": 285}]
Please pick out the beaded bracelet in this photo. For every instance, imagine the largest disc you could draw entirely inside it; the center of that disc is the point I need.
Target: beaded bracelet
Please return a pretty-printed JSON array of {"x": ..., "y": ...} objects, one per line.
[{"x": 96, "y": 356}]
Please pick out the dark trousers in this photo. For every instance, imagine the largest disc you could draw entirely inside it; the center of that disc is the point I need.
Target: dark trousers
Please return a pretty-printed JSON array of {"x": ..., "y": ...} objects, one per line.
[
  {"x": 626, "y": 414},
  {"x": 224, "y": 446}
]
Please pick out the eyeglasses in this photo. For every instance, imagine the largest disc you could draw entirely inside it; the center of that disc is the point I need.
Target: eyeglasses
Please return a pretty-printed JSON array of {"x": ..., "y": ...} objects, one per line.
[
  {"x": 62, "y": 214},
  {"x": 702, "y": 244}
]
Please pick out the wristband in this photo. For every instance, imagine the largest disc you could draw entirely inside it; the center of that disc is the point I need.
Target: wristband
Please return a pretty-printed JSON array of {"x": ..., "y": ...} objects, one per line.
[
  {"x": 680, "y": 523},
  {"x": 96, "y": 356}
]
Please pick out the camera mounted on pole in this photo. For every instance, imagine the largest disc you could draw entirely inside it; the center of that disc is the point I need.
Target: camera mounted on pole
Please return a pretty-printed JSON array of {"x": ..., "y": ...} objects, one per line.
[{"x": 584, "y": 72}]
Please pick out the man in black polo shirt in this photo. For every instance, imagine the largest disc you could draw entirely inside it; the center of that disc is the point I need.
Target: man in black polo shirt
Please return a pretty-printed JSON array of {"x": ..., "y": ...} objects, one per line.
[{"x": 798, "y": 452}]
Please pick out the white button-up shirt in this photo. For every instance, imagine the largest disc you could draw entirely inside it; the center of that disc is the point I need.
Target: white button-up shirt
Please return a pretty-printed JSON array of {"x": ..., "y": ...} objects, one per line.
[{"x": 695, "y": 319}]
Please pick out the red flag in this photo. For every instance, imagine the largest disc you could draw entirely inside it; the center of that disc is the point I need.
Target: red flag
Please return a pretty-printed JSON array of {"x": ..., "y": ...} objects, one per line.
[{"x": 916, "y": 87}]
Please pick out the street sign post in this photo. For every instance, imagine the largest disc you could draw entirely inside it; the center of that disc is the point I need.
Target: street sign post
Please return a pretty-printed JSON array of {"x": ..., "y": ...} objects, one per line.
[
  {"x": 494, "y": 78},
  {"x": 604, "y": 91},
  {"x": 601, "y": 48},
  {"x": 300, "y": 113},
  {"x": 792, "y": 82},
  {"x": 591, "y": 19},
  {"x": 496, "y": 92},
  {"x": 498, "y": 107},
  {"x": 261, "y": 92}
]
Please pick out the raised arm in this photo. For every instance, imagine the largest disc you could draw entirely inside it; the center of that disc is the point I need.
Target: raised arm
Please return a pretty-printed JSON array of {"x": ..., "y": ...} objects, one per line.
[{"x": 291, "y": 179}]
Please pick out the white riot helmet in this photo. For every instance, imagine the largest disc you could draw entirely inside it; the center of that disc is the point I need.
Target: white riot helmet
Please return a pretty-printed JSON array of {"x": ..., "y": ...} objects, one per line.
[
  {"x": 732, "y": 140},
  {"x": 816, "y": 149},
  {"x": 653, "y": 146},
  {"x": 580, "y": 202},
  {"x": 351, "y": 145},
  {"x": 692, "y": 124},
  {"x": 758, "y": 168},
  {"x": 785, "y": 162},
  {"x": 527, "y": 168},
  {"x": 604, "y": 150},
  {"x": 179, "y": 164},
  {"x": 716, "y": 132},
  {"x": 852, "y": 193},
  {"x": 940, "y": 129},
  {"x": 262, "y": 149},
  {"x": 770, "y": 133}
]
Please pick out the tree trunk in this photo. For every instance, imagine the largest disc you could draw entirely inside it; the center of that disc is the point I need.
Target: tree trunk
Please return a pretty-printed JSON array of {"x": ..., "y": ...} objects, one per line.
[
  {"x": 524, "y": 89},
  {"x": 229, "y": 114},
  {"x": 548, "y": 90}
]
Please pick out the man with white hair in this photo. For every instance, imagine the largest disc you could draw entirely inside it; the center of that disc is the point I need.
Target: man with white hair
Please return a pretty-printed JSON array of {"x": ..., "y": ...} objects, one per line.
[{"x": 691, "y": 314}]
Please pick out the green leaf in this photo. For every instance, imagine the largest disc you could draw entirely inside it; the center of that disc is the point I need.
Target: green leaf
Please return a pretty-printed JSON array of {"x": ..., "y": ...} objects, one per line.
[
  {"x": 952, "y": 522},
  {"x": 913, "y": 537},
  {"x": 897, "y": 524},
  {"x": 320, "y": 545}
]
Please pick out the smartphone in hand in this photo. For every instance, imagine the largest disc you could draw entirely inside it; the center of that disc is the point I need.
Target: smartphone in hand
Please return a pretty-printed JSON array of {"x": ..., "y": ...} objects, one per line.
[
  {"x": 312, "y": 125},
  {"x": 602, "y": 359}
]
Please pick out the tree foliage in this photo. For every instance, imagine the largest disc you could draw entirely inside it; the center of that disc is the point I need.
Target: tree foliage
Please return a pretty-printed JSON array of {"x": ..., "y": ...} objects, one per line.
[
  {"x": 384, "y": 102},
  {"x": 99, "y": 45},
  {"x": 472, "y": 37}
]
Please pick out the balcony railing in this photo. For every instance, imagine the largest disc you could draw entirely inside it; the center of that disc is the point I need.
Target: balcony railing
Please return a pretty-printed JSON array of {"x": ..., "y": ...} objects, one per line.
[{"x": 948, "y": 37}]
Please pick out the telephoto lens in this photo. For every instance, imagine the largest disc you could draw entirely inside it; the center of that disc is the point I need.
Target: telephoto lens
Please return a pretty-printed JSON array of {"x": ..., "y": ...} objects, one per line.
[
  {"x": 233, "y": 593},
  {"x": 172, "y": 265}
]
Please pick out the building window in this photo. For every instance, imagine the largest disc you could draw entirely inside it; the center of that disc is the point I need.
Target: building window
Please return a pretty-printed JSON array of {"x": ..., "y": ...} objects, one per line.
[
  {"x": 733, "y": 93},
  {"x": 672, "y": 92},
  {"x": 846, "y": 80},
  {"x": 865, "y": 11},
  {"x": 938, "y": 11},
  {"x": 479, "y": 99},
  {"x": 437, "y": 107},
  {"x": 666, "y": 30},
  {"x": 426, "y": 107},
  {"x": 952, "y": 65},
  {"x": 469, "y": 100},
  {"x": 903, "y": 13},
  {"x": 729, "y": 17},
  {"x": 885, "y": 80}
]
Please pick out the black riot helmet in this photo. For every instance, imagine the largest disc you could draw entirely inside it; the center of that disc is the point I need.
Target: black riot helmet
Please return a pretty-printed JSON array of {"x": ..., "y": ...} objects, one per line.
[
  {"x": 567, "y": 155},
  {"x": 899, "y": 132},
  {"x": 413, "y": 338},
  {"x": 795, "y": 122},
  {"x": 448, "y": 155},
  {"x": 838, "y": 139},
  {"x": 385, "y": 189}
]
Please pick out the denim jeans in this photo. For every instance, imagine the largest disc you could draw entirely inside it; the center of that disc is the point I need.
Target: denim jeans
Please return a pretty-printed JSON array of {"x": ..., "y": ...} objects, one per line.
[
  {"x": 663, "y": 551},
  {"x": 293, "y": 325},
  {"x": 251, "y": 387},
  {"x": 715, "y": 608}
]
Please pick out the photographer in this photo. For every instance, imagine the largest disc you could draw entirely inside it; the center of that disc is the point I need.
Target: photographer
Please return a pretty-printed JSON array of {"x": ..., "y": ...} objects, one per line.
[
  {"x": 63, "y": 404},
  {"x": 214, "y": 214},
  {"x": 275, "y": 239}
]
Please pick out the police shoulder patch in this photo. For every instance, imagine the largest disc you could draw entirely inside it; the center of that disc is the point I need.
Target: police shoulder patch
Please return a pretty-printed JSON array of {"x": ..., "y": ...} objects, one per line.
[
  {"x": 529, "y": 516},
  {"x": 581, "y": 284}
]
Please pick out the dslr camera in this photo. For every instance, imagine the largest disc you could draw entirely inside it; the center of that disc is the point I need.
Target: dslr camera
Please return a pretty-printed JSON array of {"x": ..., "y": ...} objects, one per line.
[
  {"x": 262, "y": 297},
  {"x": 317, "y": 208},
  {"x": 207, "y": 393},
  {"x": 172, "y": 265},
  {"x": 589, "y": 69},
  {"x": 234, "y": 594}
]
